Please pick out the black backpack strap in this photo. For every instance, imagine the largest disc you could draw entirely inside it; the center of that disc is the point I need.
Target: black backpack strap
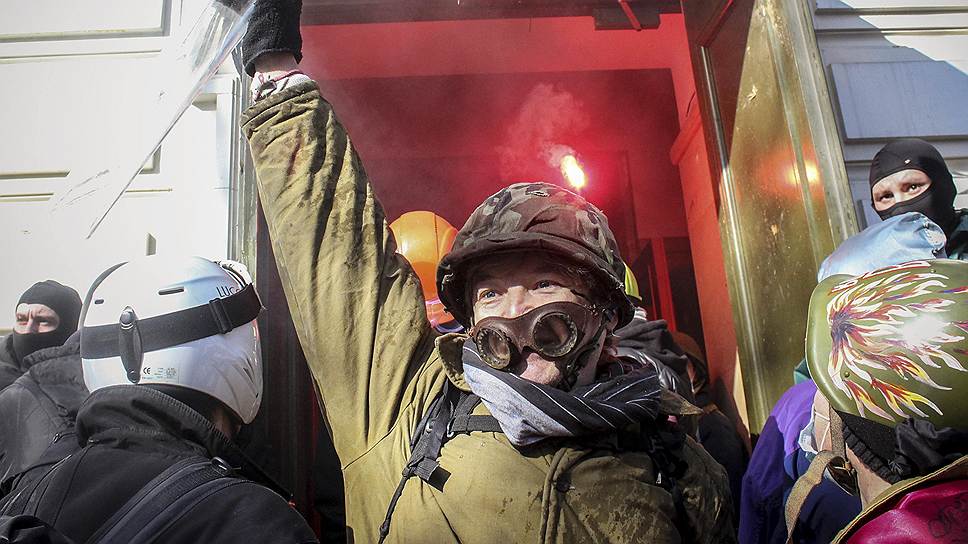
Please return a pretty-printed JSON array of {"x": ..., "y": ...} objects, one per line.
[
  {"x": 664, "y": 445},
  {"x": 63, "y": 424},
  {"x": 48, "y": 404},
  {"x": 157, "y": 483},
  {"x": 449, "y": 414},
  {"x": 430, "y": 434},
  {"x": 164, "y": 499},
  {"x": 16, "y": 505},
  {"x": 27, "y": 500},
  {"x": 62, "y": 446},
  {"x": 428, "y": 439},
  {"x": 29, "y": 529},
  {"x": 470, "y": 424},
  {"x": 464, "y": 422},
  {"x": 156, "y": 527}
]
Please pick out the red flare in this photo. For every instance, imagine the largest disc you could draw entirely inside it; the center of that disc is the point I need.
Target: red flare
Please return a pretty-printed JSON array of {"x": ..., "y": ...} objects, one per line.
[{"x": 571, "y": 169}]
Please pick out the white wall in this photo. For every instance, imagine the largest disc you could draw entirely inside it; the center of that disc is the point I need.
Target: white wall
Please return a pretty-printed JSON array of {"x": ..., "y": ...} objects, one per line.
[
  {"x": 69, "y": 72},
  {"x": 896, "y": 68}
]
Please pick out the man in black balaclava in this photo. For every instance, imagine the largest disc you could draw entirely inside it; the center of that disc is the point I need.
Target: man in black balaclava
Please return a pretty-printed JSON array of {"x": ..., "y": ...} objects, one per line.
[
  {"x": 911, "y": 176},
  {"x": 46, "y": 315}
]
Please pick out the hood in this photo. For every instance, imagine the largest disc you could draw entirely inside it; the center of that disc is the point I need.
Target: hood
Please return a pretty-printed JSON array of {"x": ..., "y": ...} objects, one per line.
[
  {"x": 135, "y": 416},
  {"x": 653, "y": 340}
]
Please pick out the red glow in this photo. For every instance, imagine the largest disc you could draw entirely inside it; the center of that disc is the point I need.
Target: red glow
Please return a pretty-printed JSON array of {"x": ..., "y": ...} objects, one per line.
[{"x": 572, "y": 170}]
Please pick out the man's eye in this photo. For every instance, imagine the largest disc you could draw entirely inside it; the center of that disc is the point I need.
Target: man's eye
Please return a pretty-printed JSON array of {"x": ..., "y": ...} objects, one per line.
[
  {"x": 544, "y": 284},
  {"x": 487, "y": 293}
]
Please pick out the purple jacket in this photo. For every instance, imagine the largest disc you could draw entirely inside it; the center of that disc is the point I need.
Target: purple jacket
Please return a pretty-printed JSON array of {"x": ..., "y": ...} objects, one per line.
[
  {"x": 766, "y": 483},
  {"x": 776, "y": 464}
]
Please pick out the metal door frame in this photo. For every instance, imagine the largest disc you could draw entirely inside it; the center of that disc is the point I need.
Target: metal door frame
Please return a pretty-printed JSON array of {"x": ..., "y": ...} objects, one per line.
[{"x": 795, "y": 52}]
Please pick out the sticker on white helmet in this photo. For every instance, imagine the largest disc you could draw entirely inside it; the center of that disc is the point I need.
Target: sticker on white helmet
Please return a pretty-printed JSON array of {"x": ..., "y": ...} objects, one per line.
[
  {"x": 227, "y": 290},
  {"x": 161, "y": 373}
]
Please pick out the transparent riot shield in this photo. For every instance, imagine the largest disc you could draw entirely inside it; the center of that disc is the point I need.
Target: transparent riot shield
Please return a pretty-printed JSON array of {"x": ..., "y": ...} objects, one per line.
[{"x": 184, "y": 67}]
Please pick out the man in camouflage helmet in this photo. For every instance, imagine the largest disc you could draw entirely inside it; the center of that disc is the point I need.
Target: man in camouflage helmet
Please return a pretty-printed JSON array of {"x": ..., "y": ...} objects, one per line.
[
  {"x": 522, "y": 430},
  {"x": 889, "y": 352}
]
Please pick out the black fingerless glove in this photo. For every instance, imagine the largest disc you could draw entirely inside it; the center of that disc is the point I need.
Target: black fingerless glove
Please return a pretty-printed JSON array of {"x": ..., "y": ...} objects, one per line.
[{"x": 274, "y": 27}]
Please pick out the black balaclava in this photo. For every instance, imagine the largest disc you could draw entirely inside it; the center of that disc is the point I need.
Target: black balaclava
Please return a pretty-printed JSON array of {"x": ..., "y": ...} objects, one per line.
[
  {"x": 60, "y": 298},
  {"x": 937, "y": 202}
]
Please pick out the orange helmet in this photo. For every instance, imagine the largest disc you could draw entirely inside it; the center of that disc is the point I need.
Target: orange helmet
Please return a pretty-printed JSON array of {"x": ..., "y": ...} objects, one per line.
[{"x": 423, "y": 238}]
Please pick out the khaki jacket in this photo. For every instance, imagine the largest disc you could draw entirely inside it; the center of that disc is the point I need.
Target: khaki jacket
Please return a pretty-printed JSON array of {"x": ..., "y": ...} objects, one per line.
[{"x": 359, "y": 313}]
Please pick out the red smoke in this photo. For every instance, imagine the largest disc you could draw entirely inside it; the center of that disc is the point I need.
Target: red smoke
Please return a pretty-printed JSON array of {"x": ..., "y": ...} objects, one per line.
[{"x": 547, "y": 117}]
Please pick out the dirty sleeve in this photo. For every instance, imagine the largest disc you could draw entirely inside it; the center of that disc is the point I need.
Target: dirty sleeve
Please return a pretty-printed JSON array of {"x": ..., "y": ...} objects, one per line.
[{"x": 356, "y": 304}]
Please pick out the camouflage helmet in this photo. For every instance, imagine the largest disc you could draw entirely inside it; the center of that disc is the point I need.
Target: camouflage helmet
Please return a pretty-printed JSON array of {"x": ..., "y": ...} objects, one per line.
[
  {"x": 535, "y": 216},
  {"x": 892, "y": 344}
]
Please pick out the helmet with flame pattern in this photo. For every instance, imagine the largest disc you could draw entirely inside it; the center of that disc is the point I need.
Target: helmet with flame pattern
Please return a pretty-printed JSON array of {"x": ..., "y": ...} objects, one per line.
[{"x": 892, "y": 344}]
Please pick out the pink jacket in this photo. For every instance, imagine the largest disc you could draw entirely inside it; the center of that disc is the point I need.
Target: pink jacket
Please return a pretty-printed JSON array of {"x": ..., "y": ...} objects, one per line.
[{"x": 933, "y": 508}]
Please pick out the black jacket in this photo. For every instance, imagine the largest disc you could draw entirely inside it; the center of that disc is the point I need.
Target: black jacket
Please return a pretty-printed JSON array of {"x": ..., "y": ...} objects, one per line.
[
  {"x": 649, "y": 342},
  {"x": 39, "y": 405},
  {"x": 719, "y": 436},
  {"x": 10, "y": 368},
  {"x": 130, "y": 435}
]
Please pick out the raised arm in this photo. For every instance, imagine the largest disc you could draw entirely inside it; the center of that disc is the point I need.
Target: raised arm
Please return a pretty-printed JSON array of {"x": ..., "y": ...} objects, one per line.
[{"x": 356, "y": 304}]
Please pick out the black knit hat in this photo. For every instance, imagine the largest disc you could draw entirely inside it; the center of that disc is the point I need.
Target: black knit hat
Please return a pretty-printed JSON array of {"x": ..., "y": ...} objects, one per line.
[
  {"x": 60, "y": 298},
  {"x": 911, "y": 154},
  {"x": 937, "y": 201}
]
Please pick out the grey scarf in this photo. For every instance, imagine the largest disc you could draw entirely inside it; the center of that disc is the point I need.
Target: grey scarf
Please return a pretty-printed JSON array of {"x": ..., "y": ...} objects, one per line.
[{"x": 530, "y": 412}]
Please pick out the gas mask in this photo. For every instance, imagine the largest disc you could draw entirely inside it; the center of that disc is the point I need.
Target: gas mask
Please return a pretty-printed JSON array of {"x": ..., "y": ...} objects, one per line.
[{"x": 563, "y": 332}]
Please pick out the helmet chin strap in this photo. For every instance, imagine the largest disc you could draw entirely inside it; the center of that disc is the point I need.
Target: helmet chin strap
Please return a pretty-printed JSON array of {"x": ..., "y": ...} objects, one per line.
[{"x": 582, "y": 357}]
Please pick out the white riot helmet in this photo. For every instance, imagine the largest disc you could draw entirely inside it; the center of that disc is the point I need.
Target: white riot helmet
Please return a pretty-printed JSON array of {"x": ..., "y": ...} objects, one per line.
[{"x": 177, "y": 321}]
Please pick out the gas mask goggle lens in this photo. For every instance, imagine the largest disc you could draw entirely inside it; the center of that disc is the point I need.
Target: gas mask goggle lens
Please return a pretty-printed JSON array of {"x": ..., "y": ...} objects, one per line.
[{"x": 554, "y": 331}]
